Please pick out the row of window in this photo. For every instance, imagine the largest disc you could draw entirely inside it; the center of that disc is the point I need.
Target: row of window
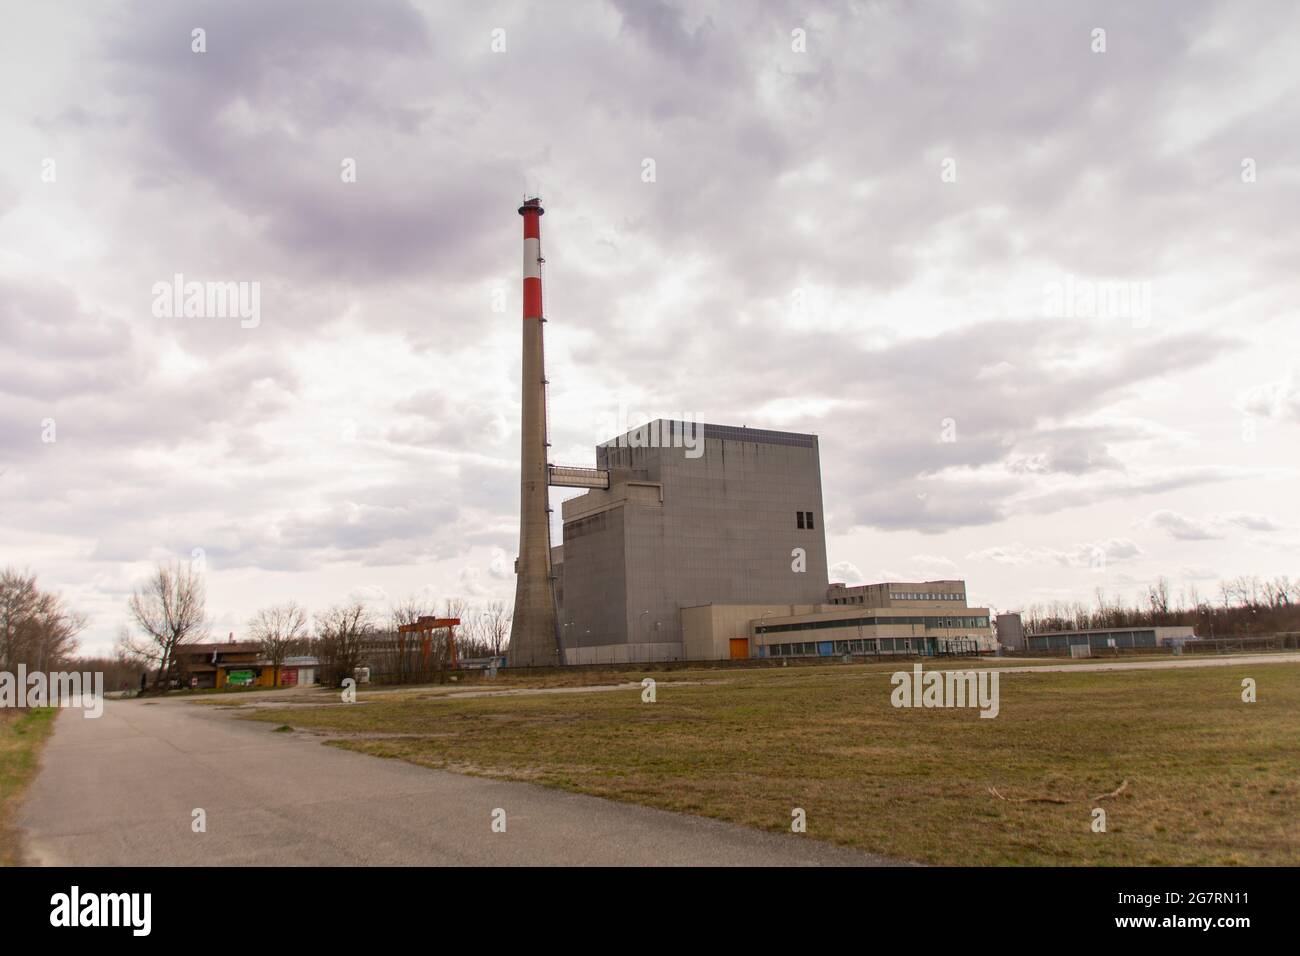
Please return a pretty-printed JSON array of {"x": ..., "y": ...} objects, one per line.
[
  {"x": 827, "y": 648},
  {"x": 904, "y": 596},
  {"x": 925, "y": 646},
  {"x": 929, "y": 623}
]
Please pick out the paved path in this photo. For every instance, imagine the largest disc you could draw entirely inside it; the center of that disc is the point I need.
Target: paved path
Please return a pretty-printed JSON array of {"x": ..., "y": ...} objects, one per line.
[
  {"x": 120, "y": 790},
  {"x": 1172, "y": 664}
]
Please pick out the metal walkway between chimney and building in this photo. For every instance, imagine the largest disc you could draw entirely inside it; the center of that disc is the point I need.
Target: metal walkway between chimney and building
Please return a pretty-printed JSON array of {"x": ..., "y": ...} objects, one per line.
[{"x": 567, "y": 476}]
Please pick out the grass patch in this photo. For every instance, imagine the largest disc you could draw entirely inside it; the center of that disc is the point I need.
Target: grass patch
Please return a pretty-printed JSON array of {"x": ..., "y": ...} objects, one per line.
[
  {"x": 1211, "y": 780},
  {"x": 22, "y": 734}
]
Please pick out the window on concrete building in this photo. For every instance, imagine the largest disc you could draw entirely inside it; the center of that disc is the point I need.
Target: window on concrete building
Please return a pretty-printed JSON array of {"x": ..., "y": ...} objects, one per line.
[
  {"x": 799, "y": 517},
  {"x": 808, "y": 517}
]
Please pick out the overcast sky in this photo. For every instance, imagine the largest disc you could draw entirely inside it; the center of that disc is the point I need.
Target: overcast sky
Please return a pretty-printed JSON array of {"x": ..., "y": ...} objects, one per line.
[{"x": 1038, "y": 299}]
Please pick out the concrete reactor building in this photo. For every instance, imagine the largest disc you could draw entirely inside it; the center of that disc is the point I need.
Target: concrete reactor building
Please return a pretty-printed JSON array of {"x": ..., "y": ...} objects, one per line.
[{"x": 693, "y": 514}]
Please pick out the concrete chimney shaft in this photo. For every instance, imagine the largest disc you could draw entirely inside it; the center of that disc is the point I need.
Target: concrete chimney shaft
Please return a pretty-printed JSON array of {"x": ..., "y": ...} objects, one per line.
[{"x": 534, "y": 633}]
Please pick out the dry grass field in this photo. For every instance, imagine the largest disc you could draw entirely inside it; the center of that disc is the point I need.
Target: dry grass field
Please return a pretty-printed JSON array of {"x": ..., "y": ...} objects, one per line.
[{"x": 1207, "y": 778}]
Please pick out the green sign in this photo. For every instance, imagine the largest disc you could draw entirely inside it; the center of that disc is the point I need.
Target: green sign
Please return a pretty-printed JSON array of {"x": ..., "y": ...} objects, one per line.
[{"x": 239, "y": 677}]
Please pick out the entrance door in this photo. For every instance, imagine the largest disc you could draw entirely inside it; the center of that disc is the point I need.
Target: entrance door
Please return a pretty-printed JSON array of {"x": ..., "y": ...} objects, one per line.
[{"x": 739, "y": 648}]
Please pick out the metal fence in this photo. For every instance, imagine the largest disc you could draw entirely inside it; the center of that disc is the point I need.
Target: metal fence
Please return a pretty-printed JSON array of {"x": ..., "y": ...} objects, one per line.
[{"x": 1287, "y": 641}]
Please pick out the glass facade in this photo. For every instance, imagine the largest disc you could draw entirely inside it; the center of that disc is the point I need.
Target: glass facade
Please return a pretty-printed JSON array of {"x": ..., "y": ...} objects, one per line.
[{"x": 935, "y": 623}]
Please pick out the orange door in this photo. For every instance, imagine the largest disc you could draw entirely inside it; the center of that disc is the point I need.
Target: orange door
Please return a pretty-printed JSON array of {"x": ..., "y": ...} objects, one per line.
[{"x": 739, "y": 648}]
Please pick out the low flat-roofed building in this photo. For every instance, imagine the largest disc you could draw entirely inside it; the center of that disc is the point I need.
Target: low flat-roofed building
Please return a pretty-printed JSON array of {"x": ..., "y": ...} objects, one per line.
[
  {"x": 734, "y": 631},
  {"x": 1102, "y": 639},
  {"x": 717, "y": 632},
  {"x": 862, "y": 630}
]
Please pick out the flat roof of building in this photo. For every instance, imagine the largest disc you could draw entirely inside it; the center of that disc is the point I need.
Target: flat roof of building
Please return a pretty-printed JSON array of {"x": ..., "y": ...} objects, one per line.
[
  {"x": 894, "y": 584},
  {"x": 849, "y": 612},
  {"x": 761, "y": 436},
  {"x": 225, "y": 647}
]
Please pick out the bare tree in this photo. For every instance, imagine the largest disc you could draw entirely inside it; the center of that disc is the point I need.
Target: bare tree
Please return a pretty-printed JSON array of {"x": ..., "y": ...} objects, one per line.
[
  {"x": 170, "y": 608},
  {"x": 1158, "y": 600},
  {"x": 36, "y": 627},
  {"x": 341, "y": 632},
  {"x": 495, "y": 621},
  {"x": 456, "y": 607},
  {"x": 280, "y": 631}
]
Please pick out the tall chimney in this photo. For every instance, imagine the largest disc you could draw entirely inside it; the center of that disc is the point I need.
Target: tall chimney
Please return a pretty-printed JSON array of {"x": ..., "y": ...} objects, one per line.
[{"x": 534, "y": 637}]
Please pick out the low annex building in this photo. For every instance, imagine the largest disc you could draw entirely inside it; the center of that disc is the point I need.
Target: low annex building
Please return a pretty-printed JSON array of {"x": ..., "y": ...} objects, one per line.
[
  {"x": 928, "y": 618},
  {"x": 1112, "y": 638}
]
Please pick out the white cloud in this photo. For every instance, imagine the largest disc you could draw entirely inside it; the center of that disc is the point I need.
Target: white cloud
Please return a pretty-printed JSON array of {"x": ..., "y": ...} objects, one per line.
[
  {"x": 1090, "y": 554},
  {"x": 371, "y": 594},
  {"x": 1278, "y": 400},
  {"x": 846, "y": 573}
]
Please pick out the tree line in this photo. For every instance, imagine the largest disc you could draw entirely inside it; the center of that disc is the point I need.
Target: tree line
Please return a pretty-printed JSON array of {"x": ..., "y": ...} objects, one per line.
[
  {"x": 169, "y": 613},
  {"x": 1238, "y": 607}
]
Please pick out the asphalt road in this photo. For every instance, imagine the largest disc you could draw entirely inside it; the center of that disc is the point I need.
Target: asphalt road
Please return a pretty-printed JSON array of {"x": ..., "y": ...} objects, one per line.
[
  {"x": 120, "y": 790},
  {"x": 1173, "y": 663}
]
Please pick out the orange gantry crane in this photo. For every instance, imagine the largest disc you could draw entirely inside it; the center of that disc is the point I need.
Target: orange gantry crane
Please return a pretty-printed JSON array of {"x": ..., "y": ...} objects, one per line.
[{"x": 425, "y": 626}]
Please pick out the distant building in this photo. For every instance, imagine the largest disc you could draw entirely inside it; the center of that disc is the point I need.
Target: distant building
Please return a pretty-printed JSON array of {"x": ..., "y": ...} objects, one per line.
[
  {"x": 239, "y": 664},
  {"x": 1011, "y": 631},
  {"x": 1103, "y": 639},
  {"x": 715, "y": 632},
  {"x": 931, "y": 594}
]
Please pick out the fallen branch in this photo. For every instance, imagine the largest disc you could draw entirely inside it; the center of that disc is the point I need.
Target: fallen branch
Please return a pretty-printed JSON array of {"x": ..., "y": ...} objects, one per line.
[
  {"x": 1105, "y": 796},
  {"x": 1114, "y": 793}
]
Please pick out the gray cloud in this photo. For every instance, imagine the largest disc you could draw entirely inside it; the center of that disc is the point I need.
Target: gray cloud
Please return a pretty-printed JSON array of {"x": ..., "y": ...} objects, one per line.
[{"x": 1213, "y": 527}]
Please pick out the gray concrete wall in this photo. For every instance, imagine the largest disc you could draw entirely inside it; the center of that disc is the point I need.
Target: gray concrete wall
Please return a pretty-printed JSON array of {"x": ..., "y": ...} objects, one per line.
[
  {"x": 723, "y": 533},
  {"x": 624, "y": 654},
  {"x": 593, "y": 610}
]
